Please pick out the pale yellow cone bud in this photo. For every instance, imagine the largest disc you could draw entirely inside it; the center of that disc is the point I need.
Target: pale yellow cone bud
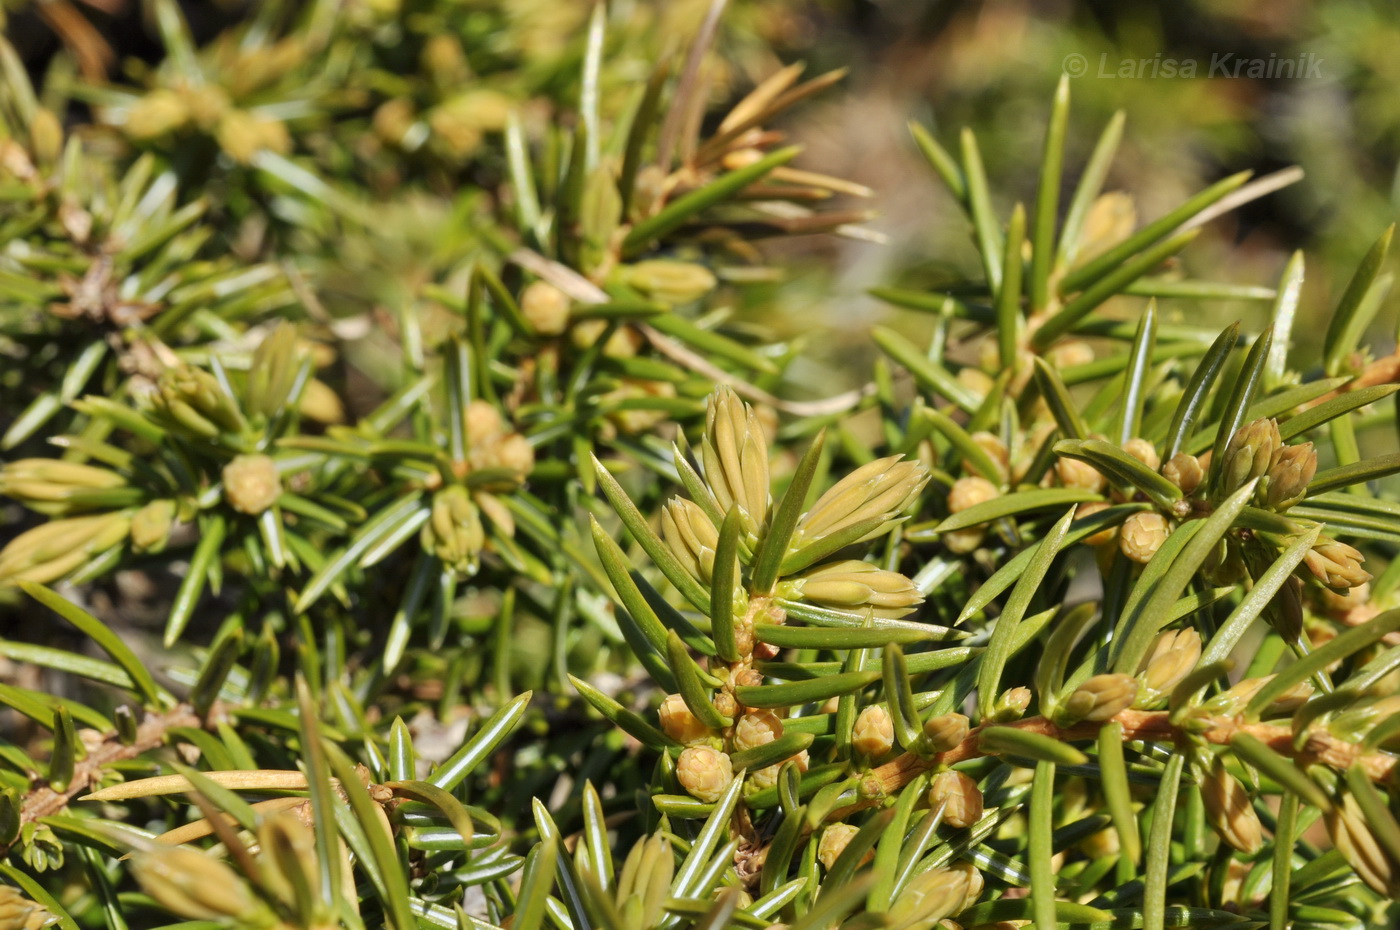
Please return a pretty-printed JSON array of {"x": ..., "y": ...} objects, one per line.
[
  {"x": 735, "y": 454},
  {"x": 961, "y": 542},
  {"x": 873, "y": 735},
  {"x": 724, "y": 703},
  {"x": 930, "y": 897},
  {"x": 995, "y": 448},
  {"x": 192, "y": 884},
  {"x": 670, "y": 281},
  {"x": 946, "y": 732},
  {"x": 704, "y": 773},
  {"x": 483, "y": 423},
  {"x": 514, "y": 453},
  {"x": 289, "y": 846},
  {"x": 208, "y": 104},
  {"x": 633, "y": 422},
  {"x": 1336, "y": 565},
  {"x": 251, "y": 483},
  {"x": 623, "y": 343},
  {"x": 52, "y": 550},
  {"x": 851, "y": 584},
  {"x": 835, "y": 838},
  {"x": 34, "y": 480},
  {"x": 1099, "y": 699},
  {"x": 1144, "y": 451},
  {"x": 1185, "y": 472},
  {"x": 1069, "y": 353},
  {"x": 545, "y": 307},
  {"x": 1076, "y": 474},
  {"x": 1104, "y": 536},
  {"x": 19, "y": 913},
  {"x": 150, "y": 526},
  {"x": 691, "y": 537},
  {"x": 959, "y": 797},
  {"x": 1354, "y": 839},
  {"x": 1229, "y": 811},
  {"x": 879, "y": 490},
  {"x": 975, "y": 884},
  {"x": 1142, "y": 535},
  {"x": 242, "y": 135},
  {"x": 1011, "y": 704},
  {"x": 159, "y": 112},
  {"x": 1249, "y": 454},
  {"x": 45, "y": 134},
  {"x": 679, "y": 723},
  {"x": 976, "y": 380},
  {"x": 761, "y": 779},
  {"x": 1290, "y": 472},
  {"x": 454, "y": 533},
  {"x": 393, "y": 120},
  {"x": 1173, "y": 656},
  {"x": 756, "y": 728},
  {"x": 969, "y": 492}
]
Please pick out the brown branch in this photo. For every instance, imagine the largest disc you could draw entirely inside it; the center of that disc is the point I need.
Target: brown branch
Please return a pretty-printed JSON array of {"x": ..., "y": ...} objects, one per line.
[
  {"x": 44, "y": 801},
  {"x": 1321, "y": 747}
]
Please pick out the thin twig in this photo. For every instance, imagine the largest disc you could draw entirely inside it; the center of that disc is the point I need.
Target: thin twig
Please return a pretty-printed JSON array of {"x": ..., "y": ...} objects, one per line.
[
  {"x": 1320, "y": 747},
  {"x": 44, "y": 801}
]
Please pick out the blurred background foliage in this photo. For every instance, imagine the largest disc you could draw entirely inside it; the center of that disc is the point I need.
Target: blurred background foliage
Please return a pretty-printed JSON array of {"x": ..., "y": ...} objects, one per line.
[{"x": 197, "y": 172}]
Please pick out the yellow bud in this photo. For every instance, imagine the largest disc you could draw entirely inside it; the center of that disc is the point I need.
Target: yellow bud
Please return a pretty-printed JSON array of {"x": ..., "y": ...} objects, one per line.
[
  {"x": 873, "y": 735},
  {"x": 251, "y": 483},
  {"x": 1336, "y": 565},
  {"x": 671, "y": 281},
  {"x": 969, "y": 492},
  {"x": 192, "y": 884},
  {"x": 1229, "y": 810},
  {"x": 835, "y": 838},
  {"x": 1144, "y": 451},
  {"x": 454, "y": 533},
  {"x": 959, "y": 797},
  {"x": 159, "y": 112},
  {"x": 930, "y": 897},
  {"x": 1142, "y": 534},
  {"x": 1076, "y": 474},
  {"x": 1184, "y": 471},
  {"x": 515, "y": 453},
  {"x": 679, "y": 723},
  {"x": 1173, "y": 656},
  {"x": 1290, "y": 472},
  {"x": 1249, "y": 453},
  {"x": 1354, "y": 839},
  {"x": 945, "y": 732},
  {"x": 690, "y": 536},
  {"x": 545, "y": 307},
  {"x": 1099, "y": 699},
  {"x": 995, "y": 448},
  {"x": 1069, "y": 353},
  {"x": 852, "y": 584},
  {"x": 704, "y": 773},
  {"x": 734, "y": 451},
  {"x": 1104, "y": 536},
  {"x": 19, "y": 913},
  {"x": 1011, "y": 704},
  {"x": 45, "y": 135},
  {"x": 150, "y": 527},
  {"x": 483, "y": 423},
  {"x": 757, "y": 728}
]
